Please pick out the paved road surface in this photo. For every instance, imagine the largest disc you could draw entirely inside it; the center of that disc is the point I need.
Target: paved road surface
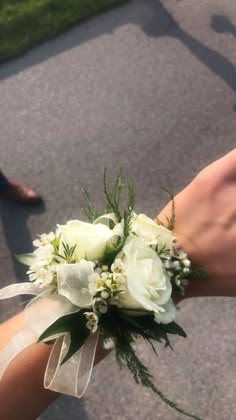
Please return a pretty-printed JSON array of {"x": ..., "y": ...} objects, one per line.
[{"x": 149, "y": 87}]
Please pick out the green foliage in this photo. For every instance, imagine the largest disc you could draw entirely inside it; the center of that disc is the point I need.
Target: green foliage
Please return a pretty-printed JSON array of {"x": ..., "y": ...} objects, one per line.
[
  {"x": 125, "y": 329},
  {"x": 89, "y": 209},
  {"x": 113, "y": 205},
  {"x": 26, "y": 259},
  {"x": 196, "y": 273},
  {"x": 68, "y": 253},
  {"x": 144, "y": 326},
  {"x": 126, "y": 357},
  {"x": 26, "y": 23},
  {"x": 75, "y": 324}
]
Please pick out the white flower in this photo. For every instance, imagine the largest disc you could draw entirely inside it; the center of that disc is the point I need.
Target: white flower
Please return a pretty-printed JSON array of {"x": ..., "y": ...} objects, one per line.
[
  {"x": 41, "y": 275},
  {"x": 44, "y": 239},
  {"x": 186, "y": 262},
  {"x": 148, "y": 285},
  {"x": 109, "y": 343},
  {"x": 167, "y": 316},
  {"x": 117, "y": 266},
  {"x": 91, "y": 240},
  {"x": 92, "y": 323},
  {"x": 44, "y": 255},
  {"x": 151, "y": 232}
]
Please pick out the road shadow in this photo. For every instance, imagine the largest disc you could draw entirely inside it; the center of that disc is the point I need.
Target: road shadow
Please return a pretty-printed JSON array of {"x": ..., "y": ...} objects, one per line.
[
  {"x": 17, "y": 235},
  {"x": 158, "y": 23},
  {"x": 164, "y": 25},
  {"x": 221, "y": 24}
]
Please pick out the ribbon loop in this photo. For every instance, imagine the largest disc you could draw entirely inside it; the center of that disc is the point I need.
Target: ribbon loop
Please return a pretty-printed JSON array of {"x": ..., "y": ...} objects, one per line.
[{"x": 71, "y": 378}]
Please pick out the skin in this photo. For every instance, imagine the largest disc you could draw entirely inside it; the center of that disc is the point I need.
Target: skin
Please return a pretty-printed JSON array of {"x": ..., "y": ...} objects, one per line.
[
  {"x": 205, "y": 227},
  {"x": 22, "y": 395}
]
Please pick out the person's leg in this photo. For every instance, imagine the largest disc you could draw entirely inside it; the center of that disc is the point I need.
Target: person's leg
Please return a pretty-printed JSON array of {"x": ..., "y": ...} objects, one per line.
[{"x": 16, "y": 191}]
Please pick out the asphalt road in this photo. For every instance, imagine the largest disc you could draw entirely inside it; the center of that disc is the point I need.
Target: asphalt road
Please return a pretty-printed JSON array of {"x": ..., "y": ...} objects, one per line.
[{"x": 148, "y": 87}]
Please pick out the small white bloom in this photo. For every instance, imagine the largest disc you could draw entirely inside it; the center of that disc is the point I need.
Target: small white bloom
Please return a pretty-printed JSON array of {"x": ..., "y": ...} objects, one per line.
[
  {"x": 109, "y": 343},
  {"x": 42, "y": 275},
  {"x": 177, "y": 281},
  {"x": 100, "y": 305},
  {"x": 103, "y": 309},
  {"x": 117, "y": 266},
  {"x": 44, "y": 239},
  {"x": 44, "y": 255},
  {"x": 176, "y": 265},
  {"x": 182, "y": 255},
  {"x": 92, "y": 323},
  {"x": 186, "y": 262},
  {"x": 105, "y": 294},
  {"x": 119, "y": 278}
]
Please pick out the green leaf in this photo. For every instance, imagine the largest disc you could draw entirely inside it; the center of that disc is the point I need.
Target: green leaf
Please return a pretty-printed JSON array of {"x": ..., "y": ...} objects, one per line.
[
  {"x": 77, "y": 339},
  {"x": 61, "y": 325},
  {"x": 75, "y": 324},
  {"x": 172, "y": 328},
  {"x": 26, "y": 259}
]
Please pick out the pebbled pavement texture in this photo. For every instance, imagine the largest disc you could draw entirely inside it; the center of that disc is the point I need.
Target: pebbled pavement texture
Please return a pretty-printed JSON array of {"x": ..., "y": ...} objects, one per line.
[{"x": 150, "y": 88}]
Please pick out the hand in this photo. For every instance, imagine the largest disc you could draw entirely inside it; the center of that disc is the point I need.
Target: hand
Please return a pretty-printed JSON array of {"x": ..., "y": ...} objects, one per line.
[{"x": 205, "y": 226}]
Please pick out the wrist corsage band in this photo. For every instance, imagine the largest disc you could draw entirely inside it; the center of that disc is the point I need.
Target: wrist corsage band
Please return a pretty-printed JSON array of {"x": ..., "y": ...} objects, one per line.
[{"x": 103, "y": 283}]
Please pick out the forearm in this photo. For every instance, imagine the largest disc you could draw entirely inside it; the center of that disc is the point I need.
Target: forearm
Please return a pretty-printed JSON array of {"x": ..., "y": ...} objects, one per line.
[{"x": 22, "y": 394}]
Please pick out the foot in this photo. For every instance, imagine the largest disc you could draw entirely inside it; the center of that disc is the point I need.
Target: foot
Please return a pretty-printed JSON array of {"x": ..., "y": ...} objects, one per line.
[{"x": 21, "y": 193}]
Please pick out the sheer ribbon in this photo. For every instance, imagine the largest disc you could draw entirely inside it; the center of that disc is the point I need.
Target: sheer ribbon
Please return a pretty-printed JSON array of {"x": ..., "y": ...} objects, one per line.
[{"x": 43, "y": 310}]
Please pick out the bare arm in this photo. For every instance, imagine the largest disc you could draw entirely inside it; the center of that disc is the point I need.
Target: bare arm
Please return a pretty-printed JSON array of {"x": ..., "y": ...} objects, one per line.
[
  {"x": 205, "y": 226},
  {"x": 22, "y": 395}
]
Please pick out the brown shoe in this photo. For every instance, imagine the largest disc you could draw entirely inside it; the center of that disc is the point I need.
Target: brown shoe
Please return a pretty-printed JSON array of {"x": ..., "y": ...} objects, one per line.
[{"x": 21, "y": 193}]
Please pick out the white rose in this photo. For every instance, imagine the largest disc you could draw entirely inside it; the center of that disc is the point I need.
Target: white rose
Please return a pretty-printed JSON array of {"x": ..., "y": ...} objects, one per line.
[
  {"x": 169, "y": 314},
  {"x": 148, "y": 285},
  {"x": 151, "y": 232},
  {"x": 91, "y": 240}
]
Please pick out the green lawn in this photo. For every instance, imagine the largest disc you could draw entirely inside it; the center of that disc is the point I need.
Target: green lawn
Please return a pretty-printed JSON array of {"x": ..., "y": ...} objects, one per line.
[{"x": 25, "y": 23}]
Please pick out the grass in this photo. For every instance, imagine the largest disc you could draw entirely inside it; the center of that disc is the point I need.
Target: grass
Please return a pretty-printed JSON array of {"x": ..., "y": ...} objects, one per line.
[{"x": 26, "y": 23}]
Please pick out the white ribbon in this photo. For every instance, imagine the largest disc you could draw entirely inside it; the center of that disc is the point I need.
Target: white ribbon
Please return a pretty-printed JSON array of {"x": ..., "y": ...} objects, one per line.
[
  {"x": 21, "y": 289},
  {"x": 17, "y": 344},
  {"x": 73, "y": 282},
  {"x": 73, "y": 376},
  {"x": 105, "y": 219}
]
